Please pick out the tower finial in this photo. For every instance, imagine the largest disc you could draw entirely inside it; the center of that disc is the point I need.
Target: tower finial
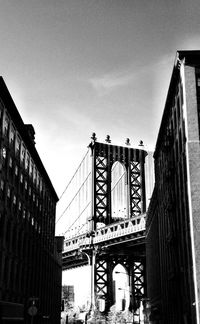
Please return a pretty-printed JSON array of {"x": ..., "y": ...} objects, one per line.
[
  {"x": 108, "y": 140},
  {"x": 93, "y": 137}
]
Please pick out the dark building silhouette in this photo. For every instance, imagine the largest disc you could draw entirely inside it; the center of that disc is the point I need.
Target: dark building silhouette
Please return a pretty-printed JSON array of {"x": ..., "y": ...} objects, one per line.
[
  {"x": 173, "y": 222},
  {"x": 30, "y": 254}
]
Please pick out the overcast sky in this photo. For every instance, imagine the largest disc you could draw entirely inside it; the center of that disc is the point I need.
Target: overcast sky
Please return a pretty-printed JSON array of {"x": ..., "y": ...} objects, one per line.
[{"x": 74, "y": 67}]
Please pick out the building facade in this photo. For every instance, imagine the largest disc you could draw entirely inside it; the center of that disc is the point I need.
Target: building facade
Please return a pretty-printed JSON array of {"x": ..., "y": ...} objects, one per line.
[
  {"x": 67, "y": 297},
  {"x": 173, "y": 222},
  {"x": 30, "y": 263}
]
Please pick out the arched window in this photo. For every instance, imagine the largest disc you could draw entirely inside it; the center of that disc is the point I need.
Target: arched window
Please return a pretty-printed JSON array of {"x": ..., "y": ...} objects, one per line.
[{"x": 119, "y": 192}]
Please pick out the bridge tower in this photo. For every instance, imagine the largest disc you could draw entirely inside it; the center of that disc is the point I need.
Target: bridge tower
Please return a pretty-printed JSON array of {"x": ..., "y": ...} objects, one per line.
[{"x": 130, "y": 254}]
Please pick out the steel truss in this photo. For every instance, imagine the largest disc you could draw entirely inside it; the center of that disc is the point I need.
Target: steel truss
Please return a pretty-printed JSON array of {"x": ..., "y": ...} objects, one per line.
[
  {"x": 104, "y": 277},
  {"x": 101, "y": 190}
]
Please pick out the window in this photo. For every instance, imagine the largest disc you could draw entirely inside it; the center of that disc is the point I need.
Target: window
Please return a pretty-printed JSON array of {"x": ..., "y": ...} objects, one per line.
[
  {"x": 12, "y": 135},
  {"x": 31, "y": 168},
  {"x": 2, "y": 189},
  {"x": 16, "y": 170},
  {"x": 17, "y": 146},
  {"x": 4, "y": 152},
  {"x": 27, "y": 161},
  {"x": 21, "y": 178},
  {"x": 2, "y": 185},
  {"x": 37, "y": 179},
  {"x": 40, "y": 184},
  {"x": 23, "y": 152},
  {"x": 6, "y": 126},
  {"x": 34, "y": 174},
  {"x": 14, "y": 199},
  {"x": 8, "y": 193},
  {"x": 10, "y": 162}
]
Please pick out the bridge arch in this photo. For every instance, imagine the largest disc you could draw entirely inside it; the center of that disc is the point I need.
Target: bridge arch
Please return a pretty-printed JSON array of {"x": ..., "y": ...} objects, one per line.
[
  {"x": 121, "y": 283},
  {"x": 119, "y": 192}
]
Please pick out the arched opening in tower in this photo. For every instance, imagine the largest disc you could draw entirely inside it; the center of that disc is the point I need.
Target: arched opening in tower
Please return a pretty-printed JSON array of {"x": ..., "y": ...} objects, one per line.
[
  {"x": 121, "y": 285},
  {"x": 119, "y": 209}
]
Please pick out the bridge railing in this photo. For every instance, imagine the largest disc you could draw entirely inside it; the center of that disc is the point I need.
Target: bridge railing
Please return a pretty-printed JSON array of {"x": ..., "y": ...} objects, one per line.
[
  {"x": 115, "y": 230},
  {"x": 122, "y": 228}
]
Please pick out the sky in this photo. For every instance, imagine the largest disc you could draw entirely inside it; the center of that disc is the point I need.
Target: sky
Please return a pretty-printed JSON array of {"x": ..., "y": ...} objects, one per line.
[{"x": 74, "y": 67}]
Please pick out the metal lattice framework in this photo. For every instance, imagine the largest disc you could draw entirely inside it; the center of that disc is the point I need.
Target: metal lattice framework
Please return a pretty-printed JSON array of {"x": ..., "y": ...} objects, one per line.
[
  {"x": 101, "y": 278},
  {"x": 101, "y": 189},
  {"x": 135, "y": 188},
  {"x": 138, "y": 280}
]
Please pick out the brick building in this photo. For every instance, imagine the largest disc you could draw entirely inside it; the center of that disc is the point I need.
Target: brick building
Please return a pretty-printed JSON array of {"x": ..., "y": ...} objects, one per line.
[
  {"x": 30, "y": 258},
  {"x": 173, "y": 223}
]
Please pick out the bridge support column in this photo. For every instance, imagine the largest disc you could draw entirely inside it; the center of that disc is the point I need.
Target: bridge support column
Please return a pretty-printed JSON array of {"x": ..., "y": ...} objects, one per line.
[
  {"x": 93, "y": 263},
  {"x": 104, "y": 283}
]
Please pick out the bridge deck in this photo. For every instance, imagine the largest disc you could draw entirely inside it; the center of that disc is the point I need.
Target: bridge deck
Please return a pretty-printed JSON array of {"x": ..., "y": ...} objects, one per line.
[{"x": 127, "y": 232}]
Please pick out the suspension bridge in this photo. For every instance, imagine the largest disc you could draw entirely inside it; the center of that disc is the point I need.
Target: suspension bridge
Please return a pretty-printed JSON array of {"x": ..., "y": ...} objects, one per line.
[{"x": 104, "y": 218}]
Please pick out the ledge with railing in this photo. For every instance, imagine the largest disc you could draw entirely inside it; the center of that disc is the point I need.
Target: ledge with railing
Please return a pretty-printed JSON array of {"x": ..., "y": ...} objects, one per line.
[{"x": 115, "y": 230}]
